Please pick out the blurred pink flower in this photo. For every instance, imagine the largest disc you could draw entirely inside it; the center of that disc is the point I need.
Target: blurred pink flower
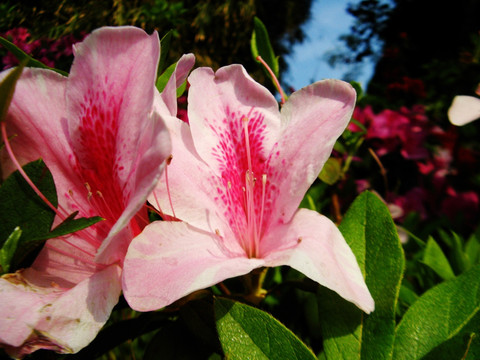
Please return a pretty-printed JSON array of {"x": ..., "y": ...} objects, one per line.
[
  {"x": 461, "y": 204},
  {"x": 391, "y": 130}
]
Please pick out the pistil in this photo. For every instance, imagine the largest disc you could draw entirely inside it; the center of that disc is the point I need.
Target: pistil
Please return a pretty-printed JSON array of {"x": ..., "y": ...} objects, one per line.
[{"x": 252, "y": 233}]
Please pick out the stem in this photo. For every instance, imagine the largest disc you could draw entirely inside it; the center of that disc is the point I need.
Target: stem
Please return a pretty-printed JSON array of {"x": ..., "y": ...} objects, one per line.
[
  {"x": 382, "y": 170},
  {"x": 253, "y": 285}
]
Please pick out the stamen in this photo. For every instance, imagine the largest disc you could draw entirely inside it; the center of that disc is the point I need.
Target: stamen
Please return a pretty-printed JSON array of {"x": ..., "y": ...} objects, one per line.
[
  {"x": 107, "y": 207},
  {"x": 264, "y": 183},
  {"x": 50, "y": 246},
  {"x": 247, "y": 142},
  {"x": 78, "y": 248},
  {"x": 27, "y": 179},
  {"x": 89, "y": 189}
]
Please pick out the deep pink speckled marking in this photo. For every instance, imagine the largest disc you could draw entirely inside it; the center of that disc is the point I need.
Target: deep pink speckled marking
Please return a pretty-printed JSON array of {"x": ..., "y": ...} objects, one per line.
[
  {"x": 96, "y": 163},
  {"x": 244, "y": 187}
]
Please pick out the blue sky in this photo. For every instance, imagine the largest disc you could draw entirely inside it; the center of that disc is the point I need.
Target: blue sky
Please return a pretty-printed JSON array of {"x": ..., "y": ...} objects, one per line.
[{"x": 307, "y": 63}]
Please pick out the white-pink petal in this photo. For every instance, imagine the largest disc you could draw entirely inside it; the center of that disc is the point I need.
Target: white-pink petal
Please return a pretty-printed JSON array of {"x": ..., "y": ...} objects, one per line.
[
  {"x": 312, "y": 118},
  {"x": 52, "y": 317},
  {"x": 169, "y": 93},
  {"x": 464, "y": 110},
  {"x": 313, "y": 245},
  {"x": 170, "y": 260}
]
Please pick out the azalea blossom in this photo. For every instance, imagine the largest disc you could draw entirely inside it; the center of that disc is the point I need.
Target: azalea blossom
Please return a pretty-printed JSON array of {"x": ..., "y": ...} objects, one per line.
[
  {"x": 105, "y": 146},
  {"x": 237, "y": 175}
]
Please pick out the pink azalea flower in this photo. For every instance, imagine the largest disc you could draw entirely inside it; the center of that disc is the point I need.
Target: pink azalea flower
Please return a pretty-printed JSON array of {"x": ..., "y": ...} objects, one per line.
[
  {"x": 237, "y": 176},
  {"x": 99, "y": 135}
]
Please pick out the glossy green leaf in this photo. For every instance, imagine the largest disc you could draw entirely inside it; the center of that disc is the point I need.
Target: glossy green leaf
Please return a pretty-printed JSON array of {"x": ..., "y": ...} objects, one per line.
[
  {"x": 331, "y": 172},
  {"x": 260, "y": 45},
  {"x": 8, "y": 250},
  {"x": 249, "y": 333},
  {"x": 24, "y": 57},
  {"x": 443, "y": 318},
  {"x": 7, "y": 88},
  {"x": 349, "y": 333},
  {"x": 437, "y": 261}
]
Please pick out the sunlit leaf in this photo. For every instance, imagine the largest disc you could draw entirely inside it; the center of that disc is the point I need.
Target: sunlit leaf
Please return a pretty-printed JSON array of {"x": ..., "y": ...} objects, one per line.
[
  {"x": 442, "y": 319},
  {"x": 8, "y": 250},
  {"x": 331, "y": 172},
  {"x": 162, "y": 80},
  {"x": 7, "y": 88}
]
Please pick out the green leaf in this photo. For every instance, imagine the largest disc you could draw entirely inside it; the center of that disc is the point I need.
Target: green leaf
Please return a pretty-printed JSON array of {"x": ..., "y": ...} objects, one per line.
[
  {"x": 23, "y": 57},
  {"x": 472, "y": 249},
  {"x": 7, "y": 88},
  {"x": 260, "y": 45},
  {"x": 164, "y": 48},
  {"x": 443, "y": 318},
  {"x": 70, "y": 225},
  {"x": 162, "y": 80},
  {"x": 358, "y": 88},
  {"x": 406, "y": 298},
  {"x": 348, "y": 333},
  {"x": 21, "y": 206},
  {"x": 249, "y": 333},
  {"x": 8, "y": 250},
  {"x": 331, "y": 172},
  {"x": 461, "y": 259},
  {"x": 437, "y": 261}
]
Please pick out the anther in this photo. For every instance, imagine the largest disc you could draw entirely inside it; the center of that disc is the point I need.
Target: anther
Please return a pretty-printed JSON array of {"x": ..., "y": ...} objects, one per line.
[{"x": 89, "y": 189}]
